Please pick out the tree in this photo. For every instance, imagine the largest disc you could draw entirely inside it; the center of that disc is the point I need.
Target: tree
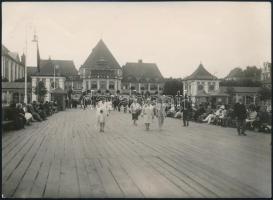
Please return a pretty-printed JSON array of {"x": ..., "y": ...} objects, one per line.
[
  {"x": 252, "y": 72},
  {"x": 40, "y": 90},
  {"x": 265, "y": 93},
  {"x": 171, "y": 86},
  {"x": 230, "y": 92}
]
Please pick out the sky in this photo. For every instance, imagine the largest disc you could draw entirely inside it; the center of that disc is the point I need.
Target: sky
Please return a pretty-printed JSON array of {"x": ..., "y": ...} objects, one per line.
[{"x": 177, "y": 36}]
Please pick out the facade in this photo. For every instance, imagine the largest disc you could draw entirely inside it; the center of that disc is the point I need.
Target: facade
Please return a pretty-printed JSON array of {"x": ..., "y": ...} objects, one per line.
[
  {"x": 54, "y": 74},
  {"x": 266, "y": 74},
  {"x": 201, "y": 85},
  {"x": 12, "y": 69},
  {"x": 248, "y": 95},
  {"x": 101, "y": 72},
  {"x": 141, "y": 77}
]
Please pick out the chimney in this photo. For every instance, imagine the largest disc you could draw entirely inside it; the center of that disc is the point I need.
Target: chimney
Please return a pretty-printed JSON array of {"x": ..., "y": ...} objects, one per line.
[{"x": 140, "y": 61}]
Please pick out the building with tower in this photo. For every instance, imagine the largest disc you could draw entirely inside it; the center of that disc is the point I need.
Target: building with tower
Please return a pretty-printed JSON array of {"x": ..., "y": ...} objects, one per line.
[
  {"x": 202, "y": 86},
  {"x": 101, "y": 72}
]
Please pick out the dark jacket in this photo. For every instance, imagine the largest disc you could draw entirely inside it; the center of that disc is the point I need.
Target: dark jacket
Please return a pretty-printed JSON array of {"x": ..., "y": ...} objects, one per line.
[{"x": 240, "y": 111}]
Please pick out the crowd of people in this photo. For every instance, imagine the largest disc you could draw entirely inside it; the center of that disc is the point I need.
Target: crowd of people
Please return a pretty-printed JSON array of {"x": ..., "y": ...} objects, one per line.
[
  {"x": 24, "y": 114},
  {"x": 251, "y": 117},
  {"x": 238, "y": 116}
]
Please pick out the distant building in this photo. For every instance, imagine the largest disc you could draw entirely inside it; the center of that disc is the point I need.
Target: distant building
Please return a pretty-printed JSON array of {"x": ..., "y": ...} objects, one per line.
[
  {"x": 248, "y": 95},
  {"x": 266, "y": 75},
  {"x": 54, "y": 74},
  {"x": 142, "y": 77},
  {"x": 101, "y": 71},
  {"x": 12, "y": 69},
  {"x": 201, "y": 85}
]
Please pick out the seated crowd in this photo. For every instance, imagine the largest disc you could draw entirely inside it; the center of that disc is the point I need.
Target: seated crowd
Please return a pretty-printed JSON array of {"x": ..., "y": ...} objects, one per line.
[
  {"x": 22, "y": 114},
  {"x": 258, "y": 118}
]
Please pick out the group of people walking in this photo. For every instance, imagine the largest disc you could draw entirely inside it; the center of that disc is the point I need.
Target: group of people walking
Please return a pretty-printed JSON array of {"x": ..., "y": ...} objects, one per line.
[{"x": 148, "y": 110}]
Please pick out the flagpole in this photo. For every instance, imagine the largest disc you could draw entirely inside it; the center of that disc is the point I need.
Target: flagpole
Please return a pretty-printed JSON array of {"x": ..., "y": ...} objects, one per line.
[{"x": 25, "y": 98}]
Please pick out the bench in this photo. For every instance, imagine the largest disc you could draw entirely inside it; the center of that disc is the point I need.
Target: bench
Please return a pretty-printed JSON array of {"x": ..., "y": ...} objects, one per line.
[{"x": 7, "y": 119}]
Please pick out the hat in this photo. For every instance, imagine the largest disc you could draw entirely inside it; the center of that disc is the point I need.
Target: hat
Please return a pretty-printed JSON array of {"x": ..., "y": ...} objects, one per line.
[{"x": 222, "y": 107}]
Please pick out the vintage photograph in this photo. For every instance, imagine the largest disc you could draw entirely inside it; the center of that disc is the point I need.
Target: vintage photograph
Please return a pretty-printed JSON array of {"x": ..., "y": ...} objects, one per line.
[{"x": 136, "y": 99}]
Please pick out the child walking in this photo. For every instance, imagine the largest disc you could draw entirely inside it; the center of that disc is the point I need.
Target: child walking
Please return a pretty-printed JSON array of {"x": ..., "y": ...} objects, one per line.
[{"x": 101, "y": 120}]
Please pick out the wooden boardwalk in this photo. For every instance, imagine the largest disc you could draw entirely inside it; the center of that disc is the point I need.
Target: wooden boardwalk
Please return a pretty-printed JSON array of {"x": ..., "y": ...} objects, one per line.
[{"x": 66, "y": 156}]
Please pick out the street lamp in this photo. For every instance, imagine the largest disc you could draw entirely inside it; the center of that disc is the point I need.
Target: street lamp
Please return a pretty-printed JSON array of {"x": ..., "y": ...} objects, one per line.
[
  {"x": 55, "y": 68},
  {"x": 185, "y": 93}
]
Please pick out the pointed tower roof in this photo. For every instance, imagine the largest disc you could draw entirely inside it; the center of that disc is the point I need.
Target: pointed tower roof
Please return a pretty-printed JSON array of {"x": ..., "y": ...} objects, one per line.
[
  {"x": 200, "y": 74},
  {"x": 101, "y": 58}
]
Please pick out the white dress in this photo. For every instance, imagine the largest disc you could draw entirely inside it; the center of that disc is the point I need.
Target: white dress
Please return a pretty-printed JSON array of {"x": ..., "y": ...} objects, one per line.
[
  {"x": 101, "y": 106},
  {"x": 28, "y": 116},
  {"x": 148, "y": 113}
]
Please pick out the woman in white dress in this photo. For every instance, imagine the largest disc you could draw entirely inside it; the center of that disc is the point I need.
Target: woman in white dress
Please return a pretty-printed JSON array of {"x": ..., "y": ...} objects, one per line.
[
  {"x": 160, "y": 113},
  {"x": 148, "y": 114}
]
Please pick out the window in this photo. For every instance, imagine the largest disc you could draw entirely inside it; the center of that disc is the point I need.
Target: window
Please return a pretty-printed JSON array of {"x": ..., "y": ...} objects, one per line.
[
  {"x": 102, "y": 85},
  {"x": 94, "y": 85},
  {"x": 111, "y": 85},
  {"x": 200, "y": 87},
  {"x": 153, "y": 87},
  {"x": 211, "y": 87}
]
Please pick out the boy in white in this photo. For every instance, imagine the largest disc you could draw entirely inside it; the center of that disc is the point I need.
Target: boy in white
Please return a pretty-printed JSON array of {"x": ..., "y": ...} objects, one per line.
[{"x": 135, "y": 109}]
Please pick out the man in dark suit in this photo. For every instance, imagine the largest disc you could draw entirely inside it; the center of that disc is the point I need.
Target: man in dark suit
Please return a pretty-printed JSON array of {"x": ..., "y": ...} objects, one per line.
[
  {"x": 241, "y": 115},
  {"x": 186, "y": 108}
]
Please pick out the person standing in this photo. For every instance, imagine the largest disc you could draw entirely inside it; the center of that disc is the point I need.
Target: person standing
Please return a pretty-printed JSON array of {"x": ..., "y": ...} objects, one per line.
[
  {"x": 101, "y": 119},
  {"x": 240, "y": 115},
  {"x": 186, "y": 112},
  {"x": 135, "y": 109},
  {"x": 160, "y": 113},
  {"x": 148, "y": 114}
]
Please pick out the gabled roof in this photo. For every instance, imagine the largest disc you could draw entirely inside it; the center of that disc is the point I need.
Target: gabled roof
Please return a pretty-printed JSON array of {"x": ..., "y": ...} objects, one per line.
[
  {"x": 101, "y": 57},
  {"x": 200, "y": 74},
  {"x": 4, "y": 49},
  {"x": 65, "y": 68},
  {"x": 140, "y": 70},
  {"x": 31, "y": 71},
  {"x": 13, "y": 55}
]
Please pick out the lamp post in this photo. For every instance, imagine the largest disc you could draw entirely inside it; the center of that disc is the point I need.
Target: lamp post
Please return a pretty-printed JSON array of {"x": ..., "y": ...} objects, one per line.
[
  {"x": 55, "y": 67},
  {"x": 185, "y": 93}
]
